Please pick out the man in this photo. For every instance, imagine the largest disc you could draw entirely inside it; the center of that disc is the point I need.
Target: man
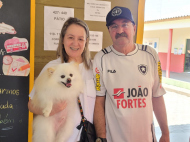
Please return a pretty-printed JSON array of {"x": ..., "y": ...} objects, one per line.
[{"x": 128, "y": 86}]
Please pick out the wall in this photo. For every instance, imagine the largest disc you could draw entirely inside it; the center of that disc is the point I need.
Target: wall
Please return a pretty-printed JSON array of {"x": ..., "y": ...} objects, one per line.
[
  {"x": 42, "y": 57},
  {"x": 178, "y": 41}
]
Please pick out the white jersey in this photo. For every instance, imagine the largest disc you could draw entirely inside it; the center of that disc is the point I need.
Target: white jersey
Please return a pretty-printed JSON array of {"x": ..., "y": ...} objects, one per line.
[
  {"x": 87, "y": 98},
  {"x": 129, "y": 82}
]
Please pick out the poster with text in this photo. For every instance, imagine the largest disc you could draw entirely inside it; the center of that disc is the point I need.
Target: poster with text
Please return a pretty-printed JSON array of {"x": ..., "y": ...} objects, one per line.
[
  {"x": 54, "y": 18},
  {"x": 96, "y": 10},
  {"x": 153, "y": 42},
  {"x": 95, "y": 42}
]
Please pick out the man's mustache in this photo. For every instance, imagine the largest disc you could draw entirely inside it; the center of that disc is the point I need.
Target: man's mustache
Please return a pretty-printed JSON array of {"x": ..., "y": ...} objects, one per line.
[{"x": 121, "y": 35}]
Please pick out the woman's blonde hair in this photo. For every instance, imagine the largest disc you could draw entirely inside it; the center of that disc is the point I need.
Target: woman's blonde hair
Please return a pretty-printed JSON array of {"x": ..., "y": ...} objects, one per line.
[{"x": 61, "y": 50}]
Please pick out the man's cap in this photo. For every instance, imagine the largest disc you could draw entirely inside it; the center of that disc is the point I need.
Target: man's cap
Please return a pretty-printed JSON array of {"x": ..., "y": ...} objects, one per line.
[{"x": 119, "y": 12}]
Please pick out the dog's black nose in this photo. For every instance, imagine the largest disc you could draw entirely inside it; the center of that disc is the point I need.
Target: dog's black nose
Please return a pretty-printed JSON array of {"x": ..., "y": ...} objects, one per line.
[{"x": 68, "y": 80}]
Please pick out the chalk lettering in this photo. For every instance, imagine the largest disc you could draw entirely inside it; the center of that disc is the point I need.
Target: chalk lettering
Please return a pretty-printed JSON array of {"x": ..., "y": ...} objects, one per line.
[
  {"x": 2, "y": 52},
  {"x": 9, "y": 91},
  {"x": 6, "y": 120},
  {"x": 6, "y": 106}
]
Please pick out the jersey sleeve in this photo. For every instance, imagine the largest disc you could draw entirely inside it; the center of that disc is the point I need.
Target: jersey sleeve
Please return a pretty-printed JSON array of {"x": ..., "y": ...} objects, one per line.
[
  {"x": 158, "y": 89},
  {"x": 98, "y": 75}
]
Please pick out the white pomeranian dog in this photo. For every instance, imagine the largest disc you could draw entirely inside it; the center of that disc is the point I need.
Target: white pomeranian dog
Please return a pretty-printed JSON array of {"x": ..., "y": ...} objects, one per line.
[{"x": 61, "y": 82}]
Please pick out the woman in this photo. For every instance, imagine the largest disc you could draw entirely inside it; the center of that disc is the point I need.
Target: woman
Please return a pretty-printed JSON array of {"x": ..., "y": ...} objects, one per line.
[{"x": 73, "y": 46}]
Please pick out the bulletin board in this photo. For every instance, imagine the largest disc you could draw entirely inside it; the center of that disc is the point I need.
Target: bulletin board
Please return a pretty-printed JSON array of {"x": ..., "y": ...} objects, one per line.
[
  {"x": 14, "y": 69},
  {"x": 42, "y": 57}
]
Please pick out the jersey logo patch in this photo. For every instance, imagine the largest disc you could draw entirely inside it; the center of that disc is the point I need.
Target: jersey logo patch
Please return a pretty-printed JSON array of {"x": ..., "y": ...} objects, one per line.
[
  {"x": 160, "y": 71},
  {"x": 118, "y": 93},
  {"x": 97, "y": 71},
  {"x": 116, "y": 12},
  {"x": 112, "y": 71},
  {"x": 143, "y": 69}
]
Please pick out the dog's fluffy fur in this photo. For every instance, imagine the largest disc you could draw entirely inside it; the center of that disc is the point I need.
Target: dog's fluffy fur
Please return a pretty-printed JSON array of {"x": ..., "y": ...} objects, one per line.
[{"x": 61, "y": 82}]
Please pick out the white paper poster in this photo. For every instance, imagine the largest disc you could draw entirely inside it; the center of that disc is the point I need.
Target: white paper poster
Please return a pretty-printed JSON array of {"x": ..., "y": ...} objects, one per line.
[
  {"x": 96, "y": 10},
  {"x": 175, "y": 51},
  {"x": 95, "y": 42},
  {"x": 153, "y": 42},
  {"x": 180, "y": 51},
  {"x": 54, "y": 18}
]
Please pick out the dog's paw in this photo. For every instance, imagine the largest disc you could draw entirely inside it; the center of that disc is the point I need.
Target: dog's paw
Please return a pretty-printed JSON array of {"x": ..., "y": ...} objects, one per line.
[{"x": 46, "y": 112}]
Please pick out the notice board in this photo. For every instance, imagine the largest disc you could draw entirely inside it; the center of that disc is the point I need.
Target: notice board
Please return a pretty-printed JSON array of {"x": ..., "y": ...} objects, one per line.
[{"x": 14, "y": 69}]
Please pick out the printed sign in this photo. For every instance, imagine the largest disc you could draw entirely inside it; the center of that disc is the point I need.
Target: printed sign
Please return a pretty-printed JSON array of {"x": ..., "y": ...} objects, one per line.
[
  {"x": 54, "y": 18},
  {"x": 96, "y": 10},
  {"x": 95, "y": 42}
]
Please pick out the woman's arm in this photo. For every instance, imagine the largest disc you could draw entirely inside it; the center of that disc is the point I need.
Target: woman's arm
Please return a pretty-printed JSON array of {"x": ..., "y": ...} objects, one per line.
[{"x": 56, "y": 108}]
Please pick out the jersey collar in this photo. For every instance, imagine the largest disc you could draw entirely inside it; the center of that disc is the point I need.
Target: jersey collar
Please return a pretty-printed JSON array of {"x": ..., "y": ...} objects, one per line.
[{"x": 121, "y": 54}]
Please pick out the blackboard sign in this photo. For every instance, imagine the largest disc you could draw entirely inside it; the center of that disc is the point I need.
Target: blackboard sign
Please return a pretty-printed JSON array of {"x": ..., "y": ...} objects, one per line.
[{"x": 14, "y": 69}]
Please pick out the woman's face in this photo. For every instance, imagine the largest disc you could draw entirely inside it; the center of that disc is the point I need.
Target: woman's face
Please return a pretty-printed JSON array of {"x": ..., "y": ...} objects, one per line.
[{"x": 74, "y": 42}]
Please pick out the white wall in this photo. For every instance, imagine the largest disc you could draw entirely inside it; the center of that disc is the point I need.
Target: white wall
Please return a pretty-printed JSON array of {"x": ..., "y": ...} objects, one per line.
[
  {"x": 163, "y": 38},
  {"x": 178, "y": 40}
]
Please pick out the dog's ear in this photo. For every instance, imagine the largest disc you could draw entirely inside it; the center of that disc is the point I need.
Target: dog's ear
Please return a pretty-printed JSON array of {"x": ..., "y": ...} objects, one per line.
[{"x": 50, "y": 71}]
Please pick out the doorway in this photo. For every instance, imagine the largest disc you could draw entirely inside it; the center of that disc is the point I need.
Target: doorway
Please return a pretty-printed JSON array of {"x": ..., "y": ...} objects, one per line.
[{"x": 187, "y": 56}]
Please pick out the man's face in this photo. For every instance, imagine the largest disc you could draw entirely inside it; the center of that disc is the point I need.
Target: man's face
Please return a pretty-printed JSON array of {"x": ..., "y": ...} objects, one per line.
[{"x": 122, "y": 32}]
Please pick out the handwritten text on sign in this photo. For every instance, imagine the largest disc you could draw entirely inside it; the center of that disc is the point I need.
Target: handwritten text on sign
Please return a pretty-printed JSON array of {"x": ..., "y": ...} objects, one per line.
[
  {"x": 5, "y": 118},
  {"x": 54, "y": 18}
]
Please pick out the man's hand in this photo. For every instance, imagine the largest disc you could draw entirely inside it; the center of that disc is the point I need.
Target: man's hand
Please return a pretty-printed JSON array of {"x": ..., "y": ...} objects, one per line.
[
  {"x": 58, "y": 107},
  {"x": 165, "y": 138}
]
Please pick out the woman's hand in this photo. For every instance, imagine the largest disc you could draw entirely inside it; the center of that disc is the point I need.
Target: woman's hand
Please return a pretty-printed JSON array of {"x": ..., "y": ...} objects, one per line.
[{"x": 58, "y": 107}]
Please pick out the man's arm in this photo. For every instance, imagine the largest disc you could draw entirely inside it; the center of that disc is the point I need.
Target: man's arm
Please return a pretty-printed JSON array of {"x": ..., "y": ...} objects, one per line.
[
  {"x": 160, "y": 113},
  {"x": 99, "y": 117},
  {"x": 56, "y": 108}
]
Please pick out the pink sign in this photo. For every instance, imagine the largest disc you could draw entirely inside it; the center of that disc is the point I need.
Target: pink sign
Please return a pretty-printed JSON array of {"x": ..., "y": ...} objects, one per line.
[{"x": 16, "y": 44}]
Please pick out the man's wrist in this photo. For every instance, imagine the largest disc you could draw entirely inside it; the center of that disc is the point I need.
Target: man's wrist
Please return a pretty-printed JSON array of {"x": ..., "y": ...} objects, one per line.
[
  {"x": 165, "y": 131},
  {"x": 101, "y": 139}
]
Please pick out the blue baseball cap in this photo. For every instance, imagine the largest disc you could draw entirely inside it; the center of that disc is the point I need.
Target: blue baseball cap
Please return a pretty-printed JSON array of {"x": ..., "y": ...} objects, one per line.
[{"x": 119, "y": 12}]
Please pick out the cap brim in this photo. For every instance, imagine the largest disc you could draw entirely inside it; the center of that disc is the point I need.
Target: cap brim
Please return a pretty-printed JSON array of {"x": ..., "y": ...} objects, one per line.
[{"x": 121, "y": 17}]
